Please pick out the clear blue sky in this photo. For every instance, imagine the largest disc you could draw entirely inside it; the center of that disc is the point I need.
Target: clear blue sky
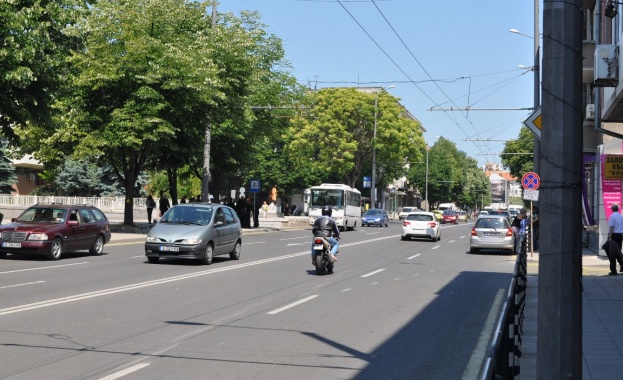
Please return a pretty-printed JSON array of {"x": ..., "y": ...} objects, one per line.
[{"x": 438, "y": 54}]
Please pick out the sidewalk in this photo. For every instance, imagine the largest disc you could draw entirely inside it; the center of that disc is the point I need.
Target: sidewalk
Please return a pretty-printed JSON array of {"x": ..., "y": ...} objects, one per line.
[{"x": 602, "y": 320}]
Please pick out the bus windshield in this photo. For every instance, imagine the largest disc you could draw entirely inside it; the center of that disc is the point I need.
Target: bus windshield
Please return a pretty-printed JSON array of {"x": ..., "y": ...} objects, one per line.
[{"x": 327, "y": 197}]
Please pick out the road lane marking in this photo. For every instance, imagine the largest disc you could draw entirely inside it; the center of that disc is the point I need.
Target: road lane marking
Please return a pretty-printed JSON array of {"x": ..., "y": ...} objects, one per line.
[
  {"x": 16, "y": 285},
  {"x": 373, "y": 273},
  {"x": 292, "y": 305},
  {"x": 124, "y": 288},
  {"x": 435, "y": 247},
  {"x": 295, "y": 238},
  {"x": 135, "y": 257},
  {"x": 289, "y": 244},
  {"x": 451, "y": 241},
  {"x": 413, "y": 257},
  {"x": 255, "y": 242},
  {"x": 346, "y": 290},
  {"x": 126, "y": 371},
  {"x": 50, "y": 267}
]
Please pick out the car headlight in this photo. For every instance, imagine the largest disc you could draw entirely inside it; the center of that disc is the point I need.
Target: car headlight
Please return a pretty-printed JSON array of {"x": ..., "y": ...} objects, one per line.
[
  {"x": 38, "y": 237},
  {"x": 191, "y": 241},
  {"x": 152, "y": 239}
]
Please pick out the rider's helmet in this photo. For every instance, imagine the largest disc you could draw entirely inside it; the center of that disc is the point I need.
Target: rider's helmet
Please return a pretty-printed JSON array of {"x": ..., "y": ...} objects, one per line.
[{"x": 326, "y": 211}]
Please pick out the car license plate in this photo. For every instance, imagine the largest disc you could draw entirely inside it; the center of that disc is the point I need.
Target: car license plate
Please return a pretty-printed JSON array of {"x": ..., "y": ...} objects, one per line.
[
  {"x": 11, "y": 245},
  {"x": 170, "y": 249},
  {"x": 490, "y": 234},
  {"x": 318, "y": 247}
]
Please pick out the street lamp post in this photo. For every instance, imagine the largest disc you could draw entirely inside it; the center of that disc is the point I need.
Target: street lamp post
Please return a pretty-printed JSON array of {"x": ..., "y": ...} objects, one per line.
[
  {"x": 537, "y": 79},
  {"x": 373, "y": 186}
]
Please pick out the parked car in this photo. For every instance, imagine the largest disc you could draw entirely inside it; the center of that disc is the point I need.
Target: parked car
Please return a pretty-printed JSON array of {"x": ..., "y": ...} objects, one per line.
[
  {"x": 449, "y": 216},
  {"x": 491, "y": 232},
  {"x": 196, "y": 231},
  {"x": 375, "y": 217},
  {"x": 51, "y": 230},
  {"x": 405, "y": 211},
  {"x": 421, "y": 224},
  {"x": 462, "y": 215},
  {"x": 483, "y": 212}
]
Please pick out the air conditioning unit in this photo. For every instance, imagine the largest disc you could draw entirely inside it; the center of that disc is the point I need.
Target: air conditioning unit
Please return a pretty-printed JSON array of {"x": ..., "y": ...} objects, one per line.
[
  {"x": 32, "y": 176},
  {"x": 590, "y": 112},
  {"x": 606, "y": 66}
]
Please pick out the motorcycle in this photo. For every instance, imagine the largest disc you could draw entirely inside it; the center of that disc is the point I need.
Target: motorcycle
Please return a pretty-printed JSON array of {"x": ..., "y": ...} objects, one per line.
[{"x": 322, "y": 256}]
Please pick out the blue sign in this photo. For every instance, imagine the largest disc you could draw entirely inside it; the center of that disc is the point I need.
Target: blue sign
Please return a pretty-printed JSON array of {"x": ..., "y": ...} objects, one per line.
[
  {"x": 255, "y": 186},
  {"x": 367, "y": 182}
]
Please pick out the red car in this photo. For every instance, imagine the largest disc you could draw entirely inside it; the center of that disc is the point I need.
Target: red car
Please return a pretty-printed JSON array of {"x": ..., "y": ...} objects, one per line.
[
  {"x": 449, "y": 216},
  {"x": 53, "y": 229}
]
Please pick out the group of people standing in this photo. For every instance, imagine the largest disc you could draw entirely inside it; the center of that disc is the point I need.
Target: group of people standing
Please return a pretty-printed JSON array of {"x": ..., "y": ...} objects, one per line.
[
  {"x": 246, "y": 208},
  {"x": 520, "y": 225}
]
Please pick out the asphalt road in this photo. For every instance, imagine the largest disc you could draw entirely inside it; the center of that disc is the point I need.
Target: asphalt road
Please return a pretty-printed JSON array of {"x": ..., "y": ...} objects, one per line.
[{"x": 392, "y": 309}]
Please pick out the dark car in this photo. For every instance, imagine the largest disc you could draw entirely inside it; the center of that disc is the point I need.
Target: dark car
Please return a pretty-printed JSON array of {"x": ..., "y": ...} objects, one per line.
[
  {"x": 53, "y": 229},
  {"x": 449, "y": 216},
  {"x": 196, "y": 231},
  {"x": 375, "y": 217}
]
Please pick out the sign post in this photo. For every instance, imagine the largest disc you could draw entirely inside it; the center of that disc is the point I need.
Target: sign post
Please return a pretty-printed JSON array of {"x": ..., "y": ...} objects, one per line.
[{"x": 531, "y": 182}]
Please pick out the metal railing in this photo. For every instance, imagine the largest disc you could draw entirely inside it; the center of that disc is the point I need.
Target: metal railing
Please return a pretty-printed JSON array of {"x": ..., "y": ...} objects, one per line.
[
  {"x": 103, "y": 203},
  {"x": 504, "y": 353}
]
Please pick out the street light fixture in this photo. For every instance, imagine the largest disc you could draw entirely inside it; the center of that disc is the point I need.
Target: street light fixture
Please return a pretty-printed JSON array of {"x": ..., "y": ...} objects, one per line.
[{"x": 373, "y": 187}]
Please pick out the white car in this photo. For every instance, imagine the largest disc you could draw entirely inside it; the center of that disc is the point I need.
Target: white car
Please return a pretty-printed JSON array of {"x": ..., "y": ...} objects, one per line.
[
  {"x": 421, "y": 225},
  {"x": 406, "y": 211}
]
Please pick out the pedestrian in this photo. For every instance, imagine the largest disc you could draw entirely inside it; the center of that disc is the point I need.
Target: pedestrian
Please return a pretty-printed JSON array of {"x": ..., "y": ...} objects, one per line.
[
  {"x": 615, "y": 232},
  {"x": 516, "y": 227},
  {"x": 183, "y": 200},
  {"x": 151, "y": 204},
  {"x": 163, "y": 204},
  {"x": 256, "y": 212}
]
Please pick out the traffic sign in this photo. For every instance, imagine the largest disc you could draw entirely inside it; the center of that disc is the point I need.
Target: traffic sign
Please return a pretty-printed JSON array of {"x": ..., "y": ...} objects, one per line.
[
  {"x": 533, "y": 122},
  {"x": 530, "y": 181},
  {"x": 255, "y": 186}
]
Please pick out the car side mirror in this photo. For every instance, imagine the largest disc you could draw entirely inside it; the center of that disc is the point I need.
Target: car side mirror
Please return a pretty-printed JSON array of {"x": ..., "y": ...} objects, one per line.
[
  {"x": 219, "y": 223},
  {"x": 72, "y": 222}
]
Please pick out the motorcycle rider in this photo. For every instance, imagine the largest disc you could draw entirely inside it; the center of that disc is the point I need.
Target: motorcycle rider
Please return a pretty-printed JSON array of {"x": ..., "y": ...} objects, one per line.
[{"x": 326, "y": 227}]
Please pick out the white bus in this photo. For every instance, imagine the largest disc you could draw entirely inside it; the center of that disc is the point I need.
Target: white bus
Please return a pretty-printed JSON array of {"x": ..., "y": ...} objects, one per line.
[{"x": 344, "y": 200}]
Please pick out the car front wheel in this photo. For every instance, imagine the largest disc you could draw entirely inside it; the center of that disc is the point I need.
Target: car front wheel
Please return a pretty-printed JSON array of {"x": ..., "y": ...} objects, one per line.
[
  {"x": 207, "y": 258},
  {"x": 56, "y": 250}
]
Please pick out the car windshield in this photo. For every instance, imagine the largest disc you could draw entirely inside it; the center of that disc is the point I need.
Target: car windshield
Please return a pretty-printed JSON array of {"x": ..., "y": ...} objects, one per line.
[
  {"x": 374, "y": 212},
  {"x": 420, "y": 217},
  {"x": 188, "y": 215},
  {"x": 408, "y": 209},
  {"x": 448, "y": 212},
  {"x": 43, "y": 215}
]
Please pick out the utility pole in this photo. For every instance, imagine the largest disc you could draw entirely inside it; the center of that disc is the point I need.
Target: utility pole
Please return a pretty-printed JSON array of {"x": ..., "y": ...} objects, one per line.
[
  {"x": 206, "y": 176},
  {"x": 559, "y": 324}
]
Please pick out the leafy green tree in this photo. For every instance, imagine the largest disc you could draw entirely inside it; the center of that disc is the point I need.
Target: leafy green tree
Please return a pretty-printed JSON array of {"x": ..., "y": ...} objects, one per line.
[
  {"x": 452, "y": 176},
  {"x": 334, "y": 141},
  {"x": 152, "y": 75},
  {"x": 7, "y": 173},
  {"x": 33, "y": 48},
  {"x": 518, "y": 154}
]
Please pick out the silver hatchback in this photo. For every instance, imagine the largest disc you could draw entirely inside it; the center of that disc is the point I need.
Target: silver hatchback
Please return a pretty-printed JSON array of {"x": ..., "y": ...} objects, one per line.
[
  {"x": 491, "y": 232},
  {"x": 197, "y": 231}
]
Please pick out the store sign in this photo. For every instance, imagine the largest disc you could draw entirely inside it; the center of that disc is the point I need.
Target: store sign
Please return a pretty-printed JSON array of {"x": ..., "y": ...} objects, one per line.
[{"x": 613, "y": 166}]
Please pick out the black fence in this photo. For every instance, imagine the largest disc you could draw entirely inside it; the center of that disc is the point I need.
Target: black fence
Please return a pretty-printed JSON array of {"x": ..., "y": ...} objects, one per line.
[{"x": 502, "y": 361}]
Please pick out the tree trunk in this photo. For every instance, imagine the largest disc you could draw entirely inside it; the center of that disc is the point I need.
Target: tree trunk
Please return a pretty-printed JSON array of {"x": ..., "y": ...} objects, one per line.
[{"x": 172, "y": 174}]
